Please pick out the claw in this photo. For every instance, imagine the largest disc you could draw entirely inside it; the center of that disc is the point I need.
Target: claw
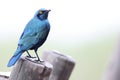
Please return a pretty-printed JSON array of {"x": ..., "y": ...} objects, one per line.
[
  {"x": 39, "y": 60},
  {"x": 30, "y": 56}
]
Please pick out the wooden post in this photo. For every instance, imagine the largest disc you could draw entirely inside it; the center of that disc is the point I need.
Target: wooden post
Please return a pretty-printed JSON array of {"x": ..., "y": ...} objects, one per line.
[
  {"x": 62, "y": 65},
  {"x": 3, "y": 77},
  {"x": 29, "y": 70},
  {"x": 113, "y": 68}
]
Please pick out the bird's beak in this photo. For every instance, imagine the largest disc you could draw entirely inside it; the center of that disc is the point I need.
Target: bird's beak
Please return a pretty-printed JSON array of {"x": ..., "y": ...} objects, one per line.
[{"x": 48, "y": 10}]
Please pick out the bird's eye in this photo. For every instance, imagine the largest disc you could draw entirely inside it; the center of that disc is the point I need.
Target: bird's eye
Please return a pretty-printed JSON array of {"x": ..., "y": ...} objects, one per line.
[{"x": 40, "y": 12}]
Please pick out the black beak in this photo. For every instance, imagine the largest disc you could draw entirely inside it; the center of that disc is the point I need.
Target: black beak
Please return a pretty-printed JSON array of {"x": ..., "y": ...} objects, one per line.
[{"x": 48, "y": 10}]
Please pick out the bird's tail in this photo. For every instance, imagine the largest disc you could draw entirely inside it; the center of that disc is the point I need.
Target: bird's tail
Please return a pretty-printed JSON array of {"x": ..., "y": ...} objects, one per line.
[{"x": 14, "y": 58}]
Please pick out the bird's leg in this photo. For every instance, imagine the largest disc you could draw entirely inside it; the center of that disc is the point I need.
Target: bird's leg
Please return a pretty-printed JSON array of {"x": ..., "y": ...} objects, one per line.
[
  {"x": 38, "y": 57},
  {"x": 29, "y": 55}
]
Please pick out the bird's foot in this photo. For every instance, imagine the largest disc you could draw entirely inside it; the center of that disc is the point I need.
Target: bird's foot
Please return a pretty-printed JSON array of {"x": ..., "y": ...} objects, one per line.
[
  {"x": 39, "y": 60},
  {"x": 30, "y": 56},
  {"x": 34, "y": 59}
]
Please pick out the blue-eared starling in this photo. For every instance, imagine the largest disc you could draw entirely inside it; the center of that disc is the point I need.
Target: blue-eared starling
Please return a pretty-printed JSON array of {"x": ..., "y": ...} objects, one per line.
[{"x": 33, "y": 36}]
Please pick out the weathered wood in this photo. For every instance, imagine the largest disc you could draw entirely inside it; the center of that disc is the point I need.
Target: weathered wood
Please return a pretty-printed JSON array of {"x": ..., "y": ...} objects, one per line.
[
  {"x": 62, "y": 65},
  {"x": 5, "y": 73},
  {"x": 3, "y": 77},
  {"x": 29, "y": 70},
  {"x": 113, "y": 68}
]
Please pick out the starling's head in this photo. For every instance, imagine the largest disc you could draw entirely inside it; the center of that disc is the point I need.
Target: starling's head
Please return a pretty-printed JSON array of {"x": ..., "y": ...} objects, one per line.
[{"x": 42, "y": 14}]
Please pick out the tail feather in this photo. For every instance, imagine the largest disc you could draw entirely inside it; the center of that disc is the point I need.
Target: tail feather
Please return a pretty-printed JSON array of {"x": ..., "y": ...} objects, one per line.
[{"x": 14, "y": 58}]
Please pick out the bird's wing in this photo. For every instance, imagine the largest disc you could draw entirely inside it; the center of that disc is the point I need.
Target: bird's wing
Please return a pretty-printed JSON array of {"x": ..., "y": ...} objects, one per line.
[
  {"x": 28, "y": 29},
  {"x": 31, "y": 35}
]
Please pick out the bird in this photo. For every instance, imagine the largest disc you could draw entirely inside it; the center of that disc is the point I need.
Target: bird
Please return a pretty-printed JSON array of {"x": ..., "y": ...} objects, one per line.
[{"x": 34, "y": 35}]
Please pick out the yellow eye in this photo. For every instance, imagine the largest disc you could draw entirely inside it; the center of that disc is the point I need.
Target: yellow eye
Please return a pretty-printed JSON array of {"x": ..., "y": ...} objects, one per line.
[{"x": 40, "y": 12}]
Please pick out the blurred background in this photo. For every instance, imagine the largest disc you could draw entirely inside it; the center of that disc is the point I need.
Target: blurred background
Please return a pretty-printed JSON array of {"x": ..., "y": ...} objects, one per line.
[{"x": 87, "y": 30}]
